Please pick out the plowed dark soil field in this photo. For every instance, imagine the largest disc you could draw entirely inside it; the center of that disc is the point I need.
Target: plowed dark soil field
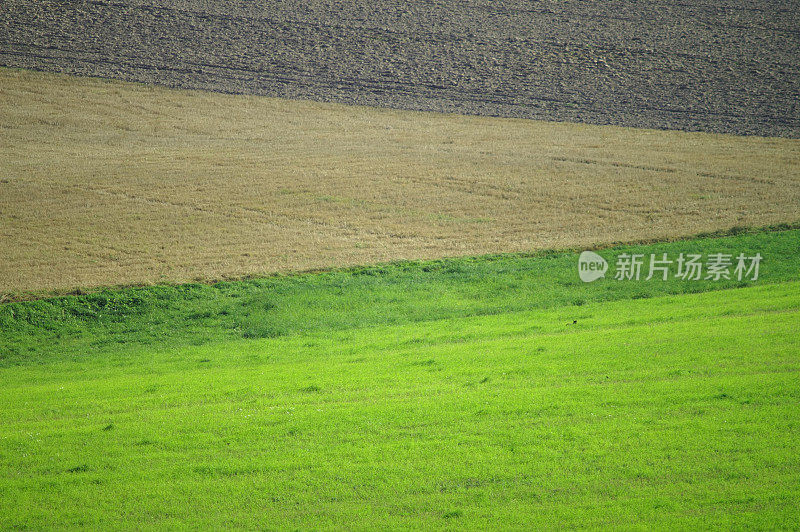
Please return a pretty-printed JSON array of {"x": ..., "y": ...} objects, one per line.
[{"x": 728, "y": 66}]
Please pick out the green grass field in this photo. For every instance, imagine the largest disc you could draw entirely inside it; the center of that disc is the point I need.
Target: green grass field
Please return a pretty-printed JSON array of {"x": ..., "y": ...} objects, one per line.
[{"x": 493, "y": 392}]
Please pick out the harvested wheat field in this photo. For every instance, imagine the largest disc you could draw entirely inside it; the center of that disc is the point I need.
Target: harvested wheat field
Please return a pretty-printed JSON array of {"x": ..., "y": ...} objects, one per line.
[{"x": 207, "y": 186}]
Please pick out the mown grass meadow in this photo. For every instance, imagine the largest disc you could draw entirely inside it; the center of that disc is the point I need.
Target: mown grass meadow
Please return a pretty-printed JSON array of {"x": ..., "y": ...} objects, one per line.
[{"x": 471, "y": 393}]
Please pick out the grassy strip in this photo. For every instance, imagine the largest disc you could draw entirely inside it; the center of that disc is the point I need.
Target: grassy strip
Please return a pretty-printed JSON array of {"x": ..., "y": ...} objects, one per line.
[
  {"x": 408, "y": 292},
  {"x": 518, "y": 420}
]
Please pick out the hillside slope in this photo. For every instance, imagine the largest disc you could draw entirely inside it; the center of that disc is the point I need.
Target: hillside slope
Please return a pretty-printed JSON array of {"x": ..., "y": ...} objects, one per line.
[
  {"x": 520, "y": 420},
  {"x": 107, "y": 183}
]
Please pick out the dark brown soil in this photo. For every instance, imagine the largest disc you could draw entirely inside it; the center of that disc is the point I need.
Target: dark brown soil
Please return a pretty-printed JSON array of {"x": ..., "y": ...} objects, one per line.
[{"x": 729, "y": 66}]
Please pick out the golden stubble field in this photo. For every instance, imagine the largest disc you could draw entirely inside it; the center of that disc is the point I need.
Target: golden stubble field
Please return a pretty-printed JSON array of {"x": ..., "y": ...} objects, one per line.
[{"x": 105, "y": 183}]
